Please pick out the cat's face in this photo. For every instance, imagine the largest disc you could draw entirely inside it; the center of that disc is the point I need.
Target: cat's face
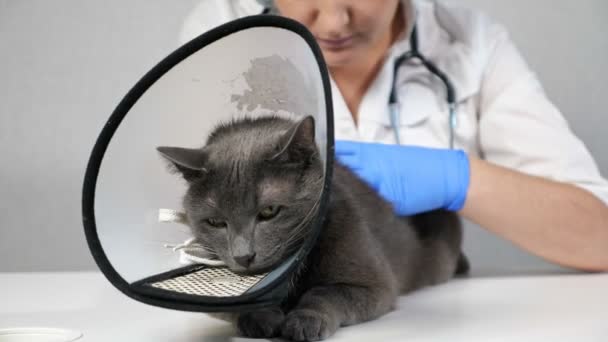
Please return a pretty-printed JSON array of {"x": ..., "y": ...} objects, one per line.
[{"x": 252, "y": 189}]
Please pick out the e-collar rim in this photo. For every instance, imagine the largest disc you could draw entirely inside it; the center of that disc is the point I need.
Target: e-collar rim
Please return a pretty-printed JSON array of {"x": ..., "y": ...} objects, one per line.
[{"x": 176, "y": 300}]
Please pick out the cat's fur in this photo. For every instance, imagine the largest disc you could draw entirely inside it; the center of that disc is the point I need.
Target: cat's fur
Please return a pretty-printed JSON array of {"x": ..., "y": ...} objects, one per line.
[{"x": 365, "y": 257}]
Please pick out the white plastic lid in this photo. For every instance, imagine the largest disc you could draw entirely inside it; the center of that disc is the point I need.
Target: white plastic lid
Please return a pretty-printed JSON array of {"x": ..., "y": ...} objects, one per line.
[{"x": 38, "y": 335}]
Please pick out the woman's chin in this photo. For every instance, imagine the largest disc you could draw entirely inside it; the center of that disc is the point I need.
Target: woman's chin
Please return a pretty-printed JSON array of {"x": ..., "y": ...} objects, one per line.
[{"x": 337, "y": 59}]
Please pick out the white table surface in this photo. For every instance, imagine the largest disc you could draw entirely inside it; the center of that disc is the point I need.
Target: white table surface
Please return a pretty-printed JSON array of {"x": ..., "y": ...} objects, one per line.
[{"x": 517, "y": 308}]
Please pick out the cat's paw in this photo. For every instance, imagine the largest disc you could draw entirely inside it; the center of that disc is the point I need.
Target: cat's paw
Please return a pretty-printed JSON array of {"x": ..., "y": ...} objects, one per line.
[
  {"x": 308, "y": 325},
  {"x": 263, "y": 323}
]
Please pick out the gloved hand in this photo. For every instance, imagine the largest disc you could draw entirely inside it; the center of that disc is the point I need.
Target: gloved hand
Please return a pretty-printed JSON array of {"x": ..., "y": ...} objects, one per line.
[{"x": 414, "y": 179}]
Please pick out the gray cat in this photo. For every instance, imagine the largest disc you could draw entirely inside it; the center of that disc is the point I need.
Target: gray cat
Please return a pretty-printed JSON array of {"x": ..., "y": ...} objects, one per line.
[{"x": 250, "y": 190}]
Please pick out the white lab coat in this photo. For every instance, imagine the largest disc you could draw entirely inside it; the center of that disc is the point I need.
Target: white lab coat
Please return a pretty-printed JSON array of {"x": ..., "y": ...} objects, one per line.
[{"x": 503, "y": 115}]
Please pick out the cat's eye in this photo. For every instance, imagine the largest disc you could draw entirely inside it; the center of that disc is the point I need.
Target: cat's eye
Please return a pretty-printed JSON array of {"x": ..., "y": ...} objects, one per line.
[
  {"x": 269, "y": 212},
  {"x": 217, "y": 223}
]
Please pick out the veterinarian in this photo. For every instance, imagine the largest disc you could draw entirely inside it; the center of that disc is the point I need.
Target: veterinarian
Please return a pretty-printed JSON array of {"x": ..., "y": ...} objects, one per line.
[{"x": 435, "y": 107}]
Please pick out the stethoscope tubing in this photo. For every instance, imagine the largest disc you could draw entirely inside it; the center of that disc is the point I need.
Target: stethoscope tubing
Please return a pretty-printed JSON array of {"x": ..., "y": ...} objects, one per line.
[
  {"x": 393, "y": 103},
  {"x": 394, "y": 110}
]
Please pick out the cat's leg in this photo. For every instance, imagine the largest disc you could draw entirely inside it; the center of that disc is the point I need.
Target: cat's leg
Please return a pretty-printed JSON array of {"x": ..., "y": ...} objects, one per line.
[
  {"x": 264, "y": 323},
  {"x": 462, "y": 265},
  {"x": 323, "y": 309}
]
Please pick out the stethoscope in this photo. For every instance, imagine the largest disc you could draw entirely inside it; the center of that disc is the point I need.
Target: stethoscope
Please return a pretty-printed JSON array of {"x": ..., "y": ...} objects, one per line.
[{"x": 393, "y": 104}]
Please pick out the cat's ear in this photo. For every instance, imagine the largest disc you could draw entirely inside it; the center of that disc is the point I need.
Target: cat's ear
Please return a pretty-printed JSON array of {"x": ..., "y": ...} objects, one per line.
[
  {"x": 188, "y": 161},
  {"x": 298, "y": 143}
]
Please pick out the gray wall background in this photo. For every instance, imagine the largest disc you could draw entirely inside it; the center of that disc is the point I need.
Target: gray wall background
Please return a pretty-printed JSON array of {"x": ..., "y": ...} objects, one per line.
[{"x": 65, "y": 64}]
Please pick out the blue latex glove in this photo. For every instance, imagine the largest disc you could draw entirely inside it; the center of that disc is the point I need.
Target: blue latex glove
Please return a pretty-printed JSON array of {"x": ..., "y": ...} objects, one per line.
[{"x": 414, "y": 179}]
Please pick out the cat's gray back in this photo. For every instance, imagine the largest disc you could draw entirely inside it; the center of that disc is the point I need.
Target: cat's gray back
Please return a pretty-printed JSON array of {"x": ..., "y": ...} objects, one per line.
[{"x": 363, "y": 231}]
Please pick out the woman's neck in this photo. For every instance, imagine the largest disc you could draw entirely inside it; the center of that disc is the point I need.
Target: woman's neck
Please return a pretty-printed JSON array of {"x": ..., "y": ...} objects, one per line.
[{"x": 354, "y": 79}]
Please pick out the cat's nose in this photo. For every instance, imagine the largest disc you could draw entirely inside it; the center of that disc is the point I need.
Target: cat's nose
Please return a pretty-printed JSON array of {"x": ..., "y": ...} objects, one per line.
[{"x": 244, "y": 259}]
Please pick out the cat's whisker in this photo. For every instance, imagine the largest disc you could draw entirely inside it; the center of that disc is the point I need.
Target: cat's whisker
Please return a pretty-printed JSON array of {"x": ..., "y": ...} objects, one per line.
[
  {"x": 192, "y": 245},
  {"x": 300, "y": 231},
  {"x": 201, "y": 247}
]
